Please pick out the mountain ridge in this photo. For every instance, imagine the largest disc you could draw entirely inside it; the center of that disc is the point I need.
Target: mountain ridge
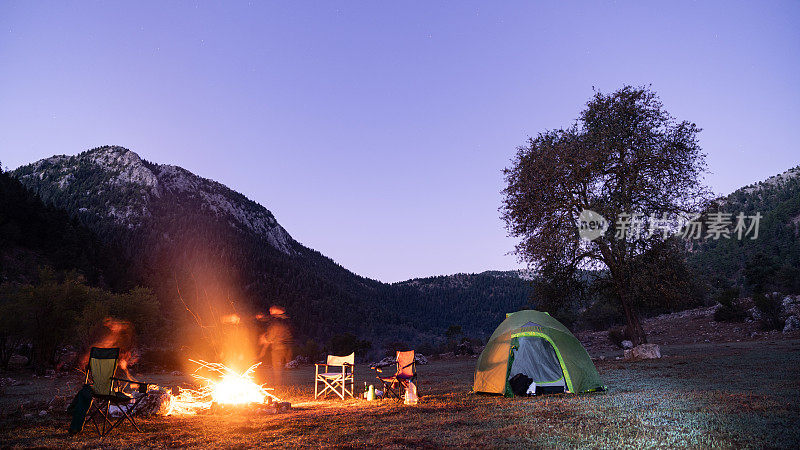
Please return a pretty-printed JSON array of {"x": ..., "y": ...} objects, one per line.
[
  {"x": 127, "y": 171},
  {"x": 178, "y": 227}
]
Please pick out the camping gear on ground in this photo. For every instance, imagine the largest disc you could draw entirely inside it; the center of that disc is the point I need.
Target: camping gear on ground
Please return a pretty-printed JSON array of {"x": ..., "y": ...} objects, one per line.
[
  {"x": 544, "y": 390},
  {"x": 335, "y": 382},
  {"x": 534, "y": 344},
  {"x": 406, "y": 373},
  {"x": 106, "y": 390},
  {"x": 519, "y": 384},
  {"x": 411, "y": 394},
  {"x": 371, "y": 393},
  {"x": 78, "y": 408}
]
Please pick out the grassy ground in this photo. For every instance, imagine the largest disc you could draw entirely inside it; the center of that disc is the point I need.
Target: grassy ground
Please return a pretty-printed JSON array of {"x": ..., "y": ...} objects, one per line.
[{"x": 703, "y": 395}]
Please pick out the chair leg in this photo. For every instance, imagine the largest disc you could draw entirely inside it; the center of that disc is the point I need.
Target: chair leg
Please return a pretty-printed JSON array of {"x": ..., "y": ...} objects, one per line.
[
  {"x": 389, "y": 390},
  {"x": 105, "y": 418},
  {"x": 102, "y": 408},
  {"x": 127, "y": 413},
  {"x": 330, "y": 386},
  {"x": 94, "y": 409}
]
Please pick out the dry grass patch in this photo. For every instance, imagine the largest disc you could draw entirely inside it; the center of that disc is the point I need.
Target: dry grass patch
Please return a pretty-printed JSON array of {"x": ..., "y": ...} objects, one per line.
[{"x": 691, "y": 398}]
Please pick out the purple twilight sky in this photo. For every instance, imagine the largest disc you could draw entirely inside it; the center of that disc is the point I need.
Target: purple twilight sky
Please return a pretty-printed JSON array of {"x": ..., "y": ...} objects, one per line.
[{"x": 376, "y": 132}]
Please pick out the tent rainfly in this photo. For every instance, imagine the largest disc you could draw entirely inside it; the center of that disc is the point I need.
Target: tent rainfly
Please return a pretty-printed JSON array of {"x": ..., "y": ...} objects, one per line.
[{"x": 538, "y": 346}]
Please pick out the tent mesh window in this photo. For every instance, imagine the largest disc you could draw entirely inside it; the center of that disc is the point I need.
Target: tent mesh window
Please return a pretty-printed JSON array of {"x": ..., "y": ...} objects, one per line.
[{"x": 535, "y": 358}]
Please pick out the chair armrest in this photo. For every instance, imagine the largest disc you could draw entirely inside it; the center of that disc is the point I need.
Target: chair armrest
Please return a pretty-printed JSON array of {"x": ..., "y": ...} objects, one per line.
[{"x": 142, "y": 385}]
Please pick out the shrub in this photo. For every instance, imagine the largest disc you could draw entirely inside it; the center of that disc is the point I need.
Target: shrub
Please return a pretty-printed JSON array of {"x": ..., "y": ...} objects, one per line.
[
  {"x": 601, "y": 315},
  {"x": 617, "y": 335},
  {"x": 770, "y": 307},
  {"x": 729, "y": 309},
  {"x": 346, "y": 343},
  {"x": 164, "y": 359},
  {"x": 428, "y": 348},
  {"x": 392, "y": 348},
  {"x": 311, "y": 350}
]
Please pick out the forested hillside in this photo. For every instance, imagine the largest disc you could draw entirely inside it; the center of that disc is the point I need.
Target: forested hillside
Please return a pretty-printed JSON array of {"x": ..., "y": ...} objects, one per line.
[
  {"x": 196, "y": 241},
  {"x": 772, "y": 260},
  {"x": 116, "y": 221},
  {"x": 33, "y": 235},
  {"x": 475, "y": 302}
]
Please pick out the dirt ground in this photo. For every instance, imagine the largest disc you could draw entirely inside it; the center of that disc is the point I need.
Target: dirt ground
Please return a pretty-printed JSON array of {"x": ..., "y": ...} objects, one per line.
[
  {"x": 693, "y": 326},
  {"x": 737, "y": 394}
]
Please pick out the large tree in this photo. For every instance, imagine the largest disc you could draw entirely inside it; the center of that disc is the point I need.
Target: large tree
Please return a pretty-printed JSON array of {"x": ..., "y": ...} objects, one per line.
[{"x": 625, "y": 158}]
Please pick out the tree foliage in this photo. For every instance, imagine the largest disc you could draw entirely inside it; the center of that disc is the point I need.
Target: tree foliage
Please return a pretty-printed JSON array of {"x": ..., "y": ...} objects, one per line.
[
  {"x": 62, "y": 310},
  {"x": 625, "y": 155}
]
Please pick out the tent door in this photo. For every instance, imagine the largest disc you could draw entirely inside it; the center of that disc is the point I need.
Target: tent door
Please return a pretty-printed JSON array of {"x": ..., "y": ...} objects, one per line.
[{"x": 535, "y": 358}]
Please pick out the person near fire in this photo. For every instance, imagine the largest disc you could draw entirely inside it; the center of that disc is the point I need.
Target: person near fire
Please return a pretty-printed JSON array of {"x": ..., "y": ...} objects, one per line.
[{"x": 276, "y": 343}]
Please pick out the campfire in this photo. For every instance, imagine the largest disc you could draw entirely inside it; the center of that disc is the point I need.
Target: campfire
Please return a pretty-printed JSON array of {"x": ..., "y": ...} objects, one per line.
[{"x": 226, "y": 388}]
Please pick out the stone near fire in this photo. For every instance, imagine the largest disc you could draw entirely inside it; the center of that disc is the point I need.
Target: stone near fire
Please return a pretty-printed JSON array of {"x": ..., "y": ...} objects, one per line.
[
  {"x": 156, "y": 403},
  {"x": 627, "y": 344},
  {"x": 643, "y": 351},
  {"x": 297, "y": 362}
]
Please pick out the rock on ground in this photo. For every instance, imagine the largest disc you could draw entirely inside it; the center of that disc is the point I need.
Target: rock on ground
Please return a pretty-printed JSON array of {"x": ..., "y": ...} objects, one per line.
[
  {"x": 295, "y": 363},
  {"x": 389, "y": 361},
  {"x": 644, "y": 351},
  {"x": 792, "y": 324}
]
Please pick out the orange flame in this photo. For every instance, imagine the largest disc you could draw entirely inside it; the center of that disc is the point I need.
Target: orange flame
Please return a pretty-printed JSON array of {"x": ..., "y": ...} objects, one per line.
[
  {"x": 114, "y": 333},
  {"x": 232, "y": 319},
  {"x": 230, "y": 388}
]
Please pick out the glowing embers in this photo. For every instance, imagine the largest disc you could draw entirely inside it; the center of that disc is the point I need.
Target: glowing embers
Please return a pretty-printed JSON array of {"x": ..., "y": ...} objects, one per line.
[{"x": 224, "y": 388}]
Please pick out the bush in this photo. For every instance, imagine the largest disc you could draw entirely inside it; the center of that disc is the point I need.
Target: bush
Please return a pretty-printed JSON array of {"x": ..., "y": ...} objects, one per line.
[
  {"x": 729, "y": 309},
  {"x": 310, "y": 349},
  {"x": 163, "y": 359},
  {"x": 346, "y": 343},
  {"x": 392, "y": 348},
  {"x": 61, "y": 311},
  {"x": 617, "y": 335},
  {"x": 601, "y": 315},
  {"x": 770, "y": 307},
  {"x": 428, "y": 348}
]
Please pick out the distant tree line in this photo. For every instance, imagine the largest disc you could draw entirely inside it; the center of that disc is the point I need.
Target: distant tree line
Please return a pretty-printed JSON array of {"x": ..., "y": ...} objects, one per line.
[{"x": 38, "y": 320}]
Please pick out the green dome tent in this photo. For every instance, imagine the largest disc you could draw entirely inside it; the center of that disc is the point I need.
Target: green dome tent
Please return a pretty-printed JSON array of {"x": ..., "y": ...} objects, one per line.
[{"x": 540, "y": 347}]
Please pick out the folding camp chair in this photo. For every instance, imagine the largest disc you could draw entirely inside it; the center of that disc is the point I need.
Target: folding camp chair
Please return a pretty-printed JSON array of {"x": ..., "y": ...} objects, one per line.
[
  {"x": 107, "y": 391},
  {"x": 336, "y": 382},
  {"x": 406, "y": 372}
]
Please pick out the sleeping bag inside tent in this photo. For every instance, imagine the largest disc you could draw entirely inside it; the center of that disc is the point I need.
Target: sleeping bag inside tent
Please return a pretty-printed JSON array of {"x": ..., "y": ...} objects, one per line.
[{"x": 533, "y": 353}]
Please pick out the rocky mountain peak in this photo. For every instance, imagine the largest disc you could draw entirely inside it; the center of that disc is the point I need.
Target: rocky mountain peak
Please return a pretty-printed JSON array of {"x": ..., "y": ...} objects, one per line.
[
  {"x": 775, "y": 180},
  {"x": 126, "y": 164},
  {"x": 114, "y": 182}
]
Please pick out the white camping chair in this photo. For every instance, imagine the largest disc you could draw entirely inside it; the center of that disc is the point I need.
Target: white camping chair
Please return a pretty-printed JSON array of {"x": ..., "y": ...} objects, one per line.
[{"x": 335, "y": 382}]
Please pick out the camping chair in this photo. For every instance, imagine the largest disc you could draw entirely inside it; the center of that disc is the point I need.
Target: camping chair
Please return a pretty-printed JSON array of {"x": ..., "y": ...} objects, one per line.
[
  {"x": 406, "y": 372},
  {"x": 107, "y": 391},
  {"x": 335, "y": 382}
]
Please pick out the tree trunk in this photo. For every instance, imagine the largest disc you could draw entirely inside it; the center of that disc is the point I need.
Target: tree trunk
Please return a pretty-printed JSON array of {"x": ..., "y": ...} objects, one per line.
[{"x": 634, "y": 326}]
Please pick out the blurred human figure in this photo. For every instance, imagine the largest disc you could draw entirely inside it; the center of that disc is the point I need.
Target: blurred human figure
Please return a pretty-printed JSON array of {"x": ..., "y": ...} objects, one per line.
[
  {"x": 276, "y": 344},
  {"x": 113, "y": 333}
]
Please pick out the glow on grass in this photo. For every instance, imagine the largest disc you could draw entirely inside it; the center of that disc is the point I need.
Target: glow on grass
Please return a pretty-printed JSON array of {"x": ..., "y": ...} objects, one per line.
[{"x": 228, "y": 387}]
